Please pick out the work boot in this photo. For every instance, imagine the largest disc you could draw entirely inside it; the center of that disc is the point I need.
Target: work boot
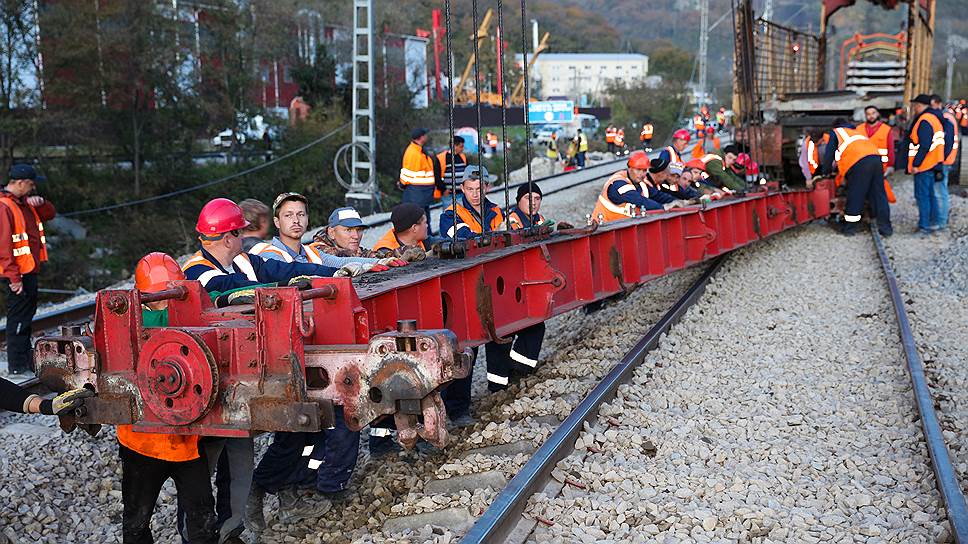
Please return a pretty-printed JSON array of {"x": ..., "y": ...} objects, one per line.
[
  {"x": 255, "y": 519},
  {"x": 383, "y": 446},
  {"x": 464, "y": 420},
  {"x": 849, "y": 229},
  {"x": 295, "y": 505}
]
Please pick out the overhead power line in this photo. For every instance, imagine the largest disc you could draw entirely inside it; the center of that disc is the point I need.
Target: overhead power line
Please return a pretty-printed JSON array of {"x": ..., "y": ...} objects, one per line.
[{"x": 230, "y": 177}]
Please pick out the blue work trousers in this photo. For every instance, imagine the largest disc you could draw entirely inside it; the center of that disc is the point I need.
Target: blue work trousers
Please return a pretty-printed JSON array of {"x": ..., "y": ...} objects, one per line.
[
  {"x": 324, "y": 460},
  {"x": 924, "y": 196},
  {"x": 457, "y": 394},
  {"x": 941, "y": 195}
]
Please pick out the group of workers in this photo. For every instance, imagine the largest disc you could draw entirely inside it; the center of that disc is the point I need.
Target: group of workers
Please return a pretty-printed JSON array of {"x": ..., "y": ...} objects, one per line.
[{"x": 865, "y": 157}]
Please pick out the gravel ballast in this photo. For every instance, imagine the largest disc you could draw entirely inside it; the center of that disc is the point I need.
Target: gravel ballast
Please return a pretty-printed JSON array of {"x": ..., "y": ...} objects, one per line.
[{"x": 776, "y": 411}]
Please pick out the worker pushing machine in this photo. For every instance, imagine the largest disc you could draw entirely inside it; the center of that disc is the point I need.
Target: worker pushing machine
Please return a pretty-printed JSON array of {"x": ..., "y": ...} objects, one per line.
[
  {"x": 673, "y": 152},
  {"x": 407, "y": 236},
  {"x": 148, "y": 460},
  {"x": 418, "y": 175},
  {"x": 517, "y": 355},
  {"x": 23, "y": 249},
  {"x": 628, "y": 192},
  {"x": 720, "y": 170},
  {"x": 859, "y": 162}
]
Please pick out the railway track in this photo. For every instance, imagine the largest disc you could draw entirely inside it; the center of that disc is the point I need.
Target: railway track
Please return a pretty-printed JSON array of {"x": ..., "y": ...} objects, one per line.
[{"x": 538, "y": 479}]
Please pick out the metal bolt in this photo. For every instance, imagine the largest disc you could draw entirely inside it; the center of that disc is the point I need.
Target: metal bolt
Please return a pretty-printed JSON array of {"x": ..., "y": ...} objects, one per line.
[
  {"x": 302, "y": 419},
  {"x": 347, "y": 381}
]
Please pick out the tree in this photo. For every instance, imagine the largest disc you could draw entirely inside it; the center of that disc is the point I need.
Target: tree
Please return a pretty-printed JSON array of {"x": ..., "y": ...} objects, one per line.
[
  {"x": 670, "y": 62},
  {"x": 317, "y": 79},
  {"x": 639, "y": 103}
]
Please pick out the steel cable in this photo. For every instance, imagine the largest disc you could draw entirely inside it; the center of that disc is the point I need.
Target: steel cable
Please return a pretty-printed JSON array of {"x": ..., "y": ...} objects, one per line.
[
  {"x": 450, "y": 121},
  {"x": 477, "y": 104},
  {"x": 527, "y": 103},
  {"x": 504, "y": 111}
]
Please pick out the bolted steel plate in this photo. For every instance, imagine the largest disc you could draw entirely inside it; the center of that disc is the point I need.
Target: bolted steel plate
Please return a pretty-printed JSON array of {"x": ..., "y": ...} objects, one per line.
[{"x": 177, "y": 376}]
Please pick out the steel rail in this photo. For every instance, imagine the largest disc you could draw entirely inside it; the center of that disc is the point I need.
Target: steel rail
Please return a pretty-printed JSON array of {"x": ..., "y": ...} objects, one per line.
[
  {"x": 499, "y": 519},
  {"x": 49, "y": 320},
  {"x": 944, "y": 471}
]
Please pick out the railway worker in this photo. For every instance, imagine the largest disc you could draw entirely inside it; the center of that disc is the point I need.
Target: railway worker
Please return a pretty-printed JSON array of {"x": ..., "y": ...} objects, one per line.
[
  {"x": 407, "y": 236},
  {"x": 676, "y": 181},
  {"x": 949, "y": 123},
  {"x": 469, "y": 221},
  {"x": 882, "y": 136},
  {"x": 926, "y": 143},
  {"x": 720, "y": 169},
  {"x": 814, "y": 143},
  {"x": 230, "y": 276},
  {"x": 610, "y": 132},
  {"x": 14, "y": 398},
  {"x": 340, "y": 241},
  {"x": 418, "y": 175},
  {"x": 645, "y": 136},
  {"x": 23, "y": 248},
  {"x": 629, "y": 190},
  {"x": 492, "y": 142},
  {"x": 699, "y": 124},
  {"x": 519, "y": 356},
  {"x": 859, "y": 163},
  {"x": 581, "y": 148},
  {"x": 620, "y": 142},
  {"x": 721, "y": 118},
  {"x": 450, "y": 170},
  {"x": 551, "y": 151},
  {"x": 673, "y": 153},
  {"x": 257, "y": 214},
  {"x": 148, "y": 460}
]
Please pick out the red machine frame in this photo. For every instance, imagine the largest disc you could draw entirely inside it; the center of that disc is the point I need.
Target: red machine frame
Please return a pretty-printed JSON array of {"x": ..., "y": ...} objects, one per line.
[{"x": 379, "y": 347}]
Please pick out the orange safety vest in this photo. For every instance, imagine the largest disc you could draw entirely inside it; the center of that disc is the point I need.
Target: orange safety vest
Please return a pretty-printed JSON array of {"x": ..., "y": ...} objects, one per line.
[
  {"x": 813, "y": 153},
  {"x": 950, "y": 159},
  {"x": 515, "y": 221},
  {"x": 674, "y": 155},
  {"x": 389, "y": 241},
  {"x": 852, "y": 147},
  {"x": 610, "y": 135},
  {"x": 492, "y": 139},
  {"x": 468, "y": 218},
  {"x": 879, "y": 139},
  {"x": 610, "y": 211},
  {"x": 167, "y": 447},
  {"x": 620, "y": 138},
  {"x": 647, "y": 131},
  {"x": 698, "y": 122},
  {"x": 264, "y": 247},
  {"x": 698, "y": 151},
  {"x": 417, "y": 168},
  {"x": 22, "y": 255},
  {"x": 935, "y": 154}
]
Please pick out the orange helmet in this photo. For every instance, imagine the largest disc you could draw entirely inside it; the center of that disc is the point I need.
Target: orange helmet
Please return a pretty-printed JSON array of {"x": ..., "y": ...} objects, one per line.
[
  {"x": 639, "y": 160},
  {"x": 154, "y": 271},
  {"x": 219, "y": 216}
]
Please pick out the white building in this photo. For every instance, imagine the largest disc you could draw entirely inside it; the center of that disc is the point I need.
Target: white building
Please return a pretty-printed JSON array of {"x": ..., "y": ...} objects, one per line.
[{"x": 584, "y": 77}]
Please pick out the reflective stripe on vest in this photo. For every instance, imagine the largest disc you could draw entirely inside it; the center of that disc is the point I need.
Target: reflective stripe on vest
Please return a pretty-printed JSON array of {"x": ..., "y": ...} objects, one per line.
[
  {"x": 470, "y": 221},
  {"x": 935, "y": 153},
  {"x": 673, "y": 154},
  {"x": 604, "y": 204},
  {"x": 263, "y": 247},
  {"x": 953, "y": 155},
  {"x": 880, "y": 139},
  {"x": 243, "y": 265},
  {"x": 813, "y": 155},
  {"x": 853, "y": 147}
]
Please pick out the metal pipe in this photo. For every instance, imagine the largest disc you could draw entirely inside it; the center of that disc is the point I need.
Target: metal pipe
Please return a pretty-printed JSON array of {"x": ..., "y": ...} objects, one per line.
[
  {"x": 177, "y": 292},
  {"x": 328, "y": 292},
  {"x": 944, "y": 471}
]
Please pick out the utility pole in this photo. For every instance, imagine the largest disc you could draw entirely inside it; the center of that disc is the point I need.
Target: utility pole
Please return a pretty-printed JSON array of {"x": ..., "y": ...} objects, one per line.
[
  {"x": 703, "y": 47},
  {"x": 955, "y": 43},
  {"x": 362, "y": 191},
  {"x": 768, "y": 10}
]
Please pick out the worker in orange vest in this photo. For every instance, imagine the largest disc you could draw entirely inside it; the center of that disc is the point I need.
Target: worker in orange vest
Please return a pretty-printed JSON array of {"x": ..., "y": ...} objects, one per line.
[
  {"x": 23, "y": 250},
  {"x": 628, "y": 192},
  {"x": 150, "y": 459},
  {"x": 492, "y": 142},
  {"x": 926, "y": 160},
  {"x": 881, "y": 134},
  {"x": 408, "y": 232},
  {"x": 699, "y": 124},
  {"x": 419, "y": 176},
  {"x": 859, "y": 162},
  {"x": 646, "y": 136},
  {"x": 619, "y": 141},
  {"x": 950, "y": 154},
  {"x": 610, "y": 132}
]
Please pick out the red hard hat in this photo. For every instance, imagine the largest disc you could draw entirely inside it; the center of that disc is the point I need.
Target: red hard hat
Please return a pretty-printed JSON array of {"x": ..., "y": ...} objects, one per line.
[
  {"x": 639, "y": 160},
  {"x": 681, "y": 134},
  {"x": 219, "y": 216},
  {"x": 154, "y": 271},
  {"x": 696, "y": 163},
  {"x": 709, "y": 130},
  {"x": 743, "y": 159}
]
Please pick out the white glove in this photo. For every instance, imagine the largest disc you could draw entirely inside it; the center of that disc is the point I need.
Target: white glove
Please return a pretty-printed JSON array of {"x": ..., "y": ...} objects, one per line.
[{"x": 353, "y": 270}]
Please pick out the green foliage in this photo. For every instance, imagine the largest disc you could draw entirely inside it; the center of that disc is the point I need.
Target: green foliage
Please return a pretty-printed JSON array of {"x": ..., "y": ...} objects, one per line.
[
  {"x": 638, "y": 104},
  {"x": 317, "y": 81},
  {"x": 670, "y": 61}
]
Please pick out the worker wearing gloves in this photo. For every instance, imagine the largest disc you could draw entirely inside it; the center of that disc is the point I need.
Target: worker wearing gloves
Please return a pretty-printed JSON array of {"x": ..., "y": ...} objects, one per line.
[
  {"x": 296, "y": 461},
  {"x": 17, "y": 399},
  {"x": 407, "y": 237},
  {"x": 418, "y": 173},
  {"x": 468, "y": 221},
  {"x": 519, "y": 355},
  {"x": 23, "y": 249},
  {"x": 150, "y": 459},
  {"x": 629, "y": 191},
  {"x": 673, "y": 153},
  {"x": 720, "y": 169},
  {"x": 339, "y": 243},
  {"x": 859, "y": 162}
]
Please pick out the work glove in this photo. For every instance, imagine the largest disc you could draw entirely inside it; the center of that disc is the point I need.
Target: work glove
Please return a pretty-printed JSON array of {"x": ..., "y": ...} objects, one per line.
[
  {"x": 547, "y": 223},
  {"x": 564, "y": 225},
  {"x": 235, "y": 298},
  {"x": 65, "y": 402},
  {"x": 392, "y": 262},
  {"x": 352, "y": 270},
  {"x": 413, "y": 254},
  {"x": 301, "y": 282}
]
